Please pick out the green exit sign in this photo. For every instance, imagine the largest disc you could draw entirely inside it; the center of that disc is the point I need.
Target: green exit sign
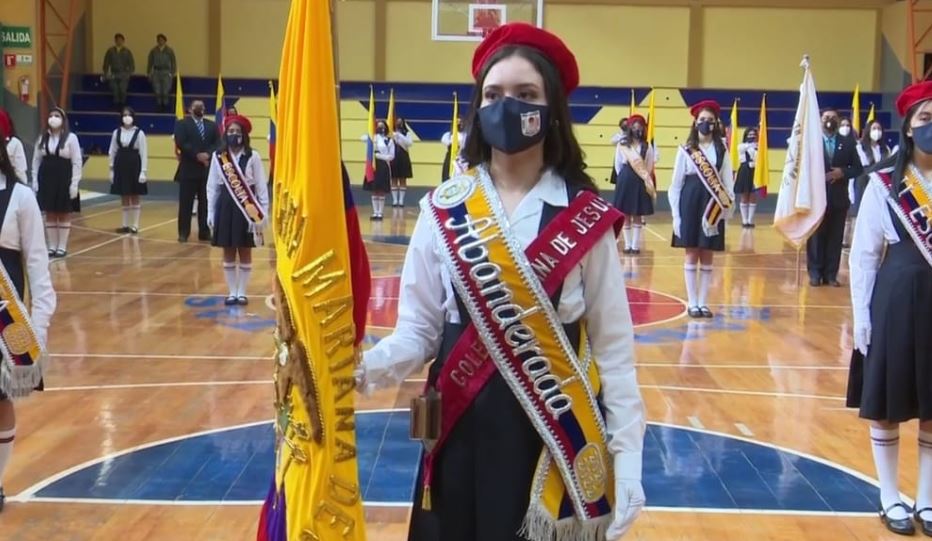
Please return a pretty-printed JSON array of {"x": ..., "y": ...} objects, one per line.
[{"x": 16, "y": 37}]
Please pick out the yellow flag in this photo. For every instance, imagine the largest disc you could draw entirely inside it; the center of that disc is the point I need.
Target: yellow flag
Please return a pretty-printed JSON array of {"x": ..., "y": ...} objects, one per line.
[
  {"x": 762, "y": 167},
  {"x": 390, "y": 119},
  {"x": 631, "y": 107},
  {"x": 870, "y": 115},
  {"x": 179, "y": 98},
  {"x": 650, "y": 118},
  {"x": 856, "y": 111},
  {"x": 733, "y": 139},
  {"x": 454, "y": 135},
  {"x": 317, "y": 486}
]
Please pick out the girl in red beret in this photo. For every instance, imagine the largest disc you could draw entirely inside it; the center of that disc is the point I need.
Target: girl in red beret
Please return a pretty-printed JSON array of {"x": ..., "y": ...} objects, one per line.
[
  {"x": 634, "y": 183},
  {"x": 532, "y": 421},
  {"x": 14, "y": 146},
  {"x": 701, "y": 199},
  {"x": 891, "y": 295},
  {"x": 237, "y": 204}
]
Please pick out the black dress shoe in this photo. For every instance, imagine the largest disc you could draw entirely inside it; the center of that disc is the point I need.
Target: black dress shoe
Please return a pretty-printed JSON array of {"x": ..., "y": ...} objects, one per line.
[
  {"x": 2, "y": 499},
  {"x": 230, "y": 301},
  {"x": 242, "y": 301},
  {"x": 925, "y": 525},
  {"x": 694, "y": 312},
  {"x": 902, "y": 526},
  {"x": 635, "y": 251},
  {"x": 123, "y": 230},
  {"x": 815, "y": 282},
  {"x": 706, "y": 312},
  {"x": 133, "y": 230}
]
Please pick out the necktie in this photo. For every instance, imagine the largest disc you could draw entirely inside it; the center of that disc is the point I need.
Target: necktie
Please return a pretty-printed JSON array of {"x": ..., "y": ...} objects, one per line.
[
  {"x": 200, "y": 128},
  {"x": 830, "y": 147}
]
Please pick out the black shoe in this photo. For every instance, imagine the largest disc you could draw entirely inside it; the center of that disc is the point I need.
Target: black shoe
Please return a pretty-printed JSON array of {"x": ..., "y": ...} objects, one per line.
[
  {"x": 242, "y": 301},
  {"x": 122, "y": 230},
  {"x": 626, "y": 251},
  {"x": 51, "y": 252},
  {"x": 61, "y": 253},
  {"x": 378, "y": 218},
  {"x": 182, "y": 240},
  {"x": 815, "y": 282},
  {"x": 635, "y": 251},
  {"x": 203, "y": 238},
  {"x": 230, "y": 301},
  {"x": 901, "y": 526},
  {"x": 2, "y": 499},
  {"x": 133, "y": 230},
  {"x": 694, "y": 312},
  {"x": 751, "y": 225},
  {"x": 706, "y": 312},
  {"x": 925, "y": 525}
]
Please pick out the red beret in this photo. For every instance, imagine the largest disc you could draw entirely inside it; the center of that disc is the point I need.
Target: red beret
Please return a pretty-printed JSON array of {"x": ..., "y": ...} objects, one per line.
[
  {"x": 238, "y": 119},
  {"x": 706, "y": 104},
  {"x": 6, "y": 125},
  {"x": 912, "y": 95},
  {"x": 637, "y": 118},
  {"x": 531, "y": 36}
]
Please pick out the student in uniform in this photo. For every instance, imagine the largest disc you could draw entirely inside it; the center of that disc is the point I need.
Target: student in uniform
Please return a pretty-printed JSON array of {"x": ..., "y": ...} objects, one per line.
[
  {"x": 118, "y": 68},
  {"x": 744, "y": 183},
  {"x": 634, "y": 185},
  {"x": 698, "y": 217},
  {"x": 25, "y": 260},
  {"x": 891, "y": 294},
  {"x": 845, "y": 129},
  {"x": 235, "y": 227},
  {"x": 129, "y": 160},
  {"x": 401, "y": 166},
  {"x": 618, "y": 137},
  {"x": 384, "y": 148},
  {"x": 161, "y": 70},
  {"x": 57, "y": 165},
  {"x": 14, "y": 147},
  {"x": 526, "y": 163},
  {"x": 447, "y": 141},
  {"x": 872, "y": 149}
]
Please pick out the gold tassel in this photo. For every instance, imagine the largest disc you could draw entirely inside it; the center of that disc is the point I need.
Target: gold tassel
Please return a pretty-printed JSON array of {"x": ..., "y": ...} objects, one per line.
[{"x": 425, "y": 499}]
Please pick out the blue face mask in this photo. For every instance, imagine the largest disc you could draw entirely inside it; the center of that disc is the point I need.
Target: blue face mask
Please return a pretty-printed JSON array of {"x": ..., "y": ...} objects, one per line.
[
  {"x": 922, "y": 137},
  {"x": 512, "y": 126},
  {"x": 234, "y": 140}
]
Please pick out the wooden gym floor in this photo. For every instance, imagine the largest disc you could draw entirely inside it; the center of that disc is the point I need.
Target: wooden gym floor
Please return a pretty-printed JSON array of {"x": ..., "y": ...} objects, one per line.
[{"x": 155, "y": 423}]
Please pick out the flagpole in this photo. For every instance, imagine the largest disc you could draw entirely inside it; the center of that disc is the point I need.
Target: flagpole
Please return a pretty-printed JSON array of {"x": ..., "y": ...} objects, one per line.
[{"x": 336, "y": 60}]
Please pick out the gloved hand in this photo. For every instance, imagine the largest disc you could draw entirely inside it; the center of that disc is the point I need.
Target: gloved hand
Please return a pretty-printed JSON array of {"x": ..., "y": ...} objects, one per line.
[
  {"x": 73, "y": 191},
  {"x": 111, "y": 176},
  {"x": 35, "y": 185},
  {"x": 210, "y": 222},
  {"x": 629, "y": 500},
  {"x": 862, "y": 333},
  {"x": 676, "y": 226},
  {"x": 42, "y": 336},
  {"x": 142, "y": 178}
]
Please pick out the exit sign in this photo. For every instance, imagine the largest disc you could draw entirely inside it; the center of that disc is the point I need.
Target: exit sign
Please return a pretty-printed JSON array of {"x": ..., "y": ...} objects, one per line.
[{"x": 16, "y": 37}]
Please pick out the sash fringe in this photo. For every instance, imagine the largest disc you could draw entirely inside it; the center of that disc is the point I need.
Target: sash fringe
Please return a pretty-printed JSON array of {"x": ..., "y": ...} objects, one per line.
[
  {"x": 20, "y": 381},
  {"x": 539, "y": 525}
]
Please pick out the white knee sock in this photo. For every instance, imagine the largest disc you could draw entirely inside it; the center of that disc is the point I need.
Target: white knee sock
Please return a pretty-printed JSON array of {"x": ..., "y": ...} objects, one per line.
[
  {"x": 394, "y": 196},
  {"x": 744, "y": 213},
  {"x": 886, "y": 447},
  {"x": 51, "y": 231},
  {"x": 705, "y": 278},
  {"x": 6, "y": 449},
  {"x": 126, "y": 215},
  {"x": 229, "y": 272},
  {"x": 401, "y": 196},
  {"x": 626, "y": 232},
  {"x": 924, "y": 494},
  {"x": 375, "y": 205},
  {"x": 636, "y": 237},
  {"x": 245, "y": 269},
  {"x": 136, "y": 210},
  {"x": 380, "y": 201},
  {"x": 752, "y": 208},
  {"x": 689, "y": 272},
  {"x": 64, "y": 231}
]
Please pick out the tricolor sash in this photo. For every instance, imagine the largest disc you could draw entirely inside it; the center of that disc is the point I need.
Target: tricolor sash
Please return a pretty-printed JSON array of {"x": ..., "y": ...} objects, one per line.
[
  {"x": 913, "y": 206},
  {"x": 21, "y": 366},
  {"x": 242, "y": 194},
  {"x": 515, "y": 330},
  {"x": 640, "y": 167},
  {"x": 721, "y": 200}
]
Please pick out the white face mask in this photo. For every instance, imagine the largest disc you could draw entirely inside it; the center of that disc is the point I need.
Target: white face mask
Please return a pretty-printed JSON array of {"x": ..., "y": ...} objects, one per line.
[
  {"x": 55, "y": 122},
  {"x": 127, "y": 120},
  {"x": 844, "y": 131},
  {"x": 876, "y": 135}
]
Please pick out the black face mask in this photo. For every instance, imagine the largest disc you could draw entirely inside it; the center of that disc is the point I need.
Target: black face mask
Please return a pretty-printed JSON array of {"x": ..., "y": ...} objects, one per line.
[
  {"x": 638, "y": 133},
  {"x": 234, "y": 139},
  {"x": 511, "y": 125},
  {"x": 380, "y": 130},
  {"x": 198, "y": 112},
  {"x": 705, "y": 127},
  {"x": 831, "y": 126},
  {"x": 922, "y": 137}
]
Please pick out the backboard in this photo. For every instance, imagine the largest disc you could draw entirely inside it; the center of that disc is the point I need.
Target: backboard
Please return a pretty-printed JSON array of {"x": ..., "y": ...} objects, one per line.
[{"x": 470, "y": 20}]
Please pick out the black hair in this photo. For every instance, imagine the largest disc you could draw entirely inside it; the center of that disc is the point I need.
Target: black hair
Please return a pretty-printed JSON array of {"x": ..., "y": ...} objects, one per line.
[
  {"x": 753, "y": 129},
  {"x": 829, "y": 110},
  {"x": 404, "y": 125},
  {"x": 561, "y": 148},
  {"x": 128, "y": 110},
  {"x": 6, "y": 167},
  {"x": 903, "y": 156},
  {"x": 161, "y": 36},
  {"x": 63, "y": 137},
  {"x": 119, "y": 36},
  {"x": 717, "y": 134},
  {"x": 867, "y": 143}
]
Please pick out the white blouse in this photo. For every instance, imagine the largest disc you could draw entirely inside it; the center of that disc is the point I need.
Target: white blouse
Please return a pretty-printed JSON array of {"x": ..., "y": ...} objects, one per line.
[
  {"x": 447, "y": 139},
  {"x": 14, "y": 147},
  {"x": 24, "y": 232},
  {"x": 877, "y": 155},
  {"x": 684, "y": 166},
  {"x": 620, "y": 159},
  {"x": 71, "y": 151},
  {"x": 126, "y": 135},
  {"x": 254, "y": 173},
  {"x": 593, "y": 291},
  {"x": 384, "y": 148},
  {"x": 402, "y": 140},
  {"x": 747, "y": 148}
]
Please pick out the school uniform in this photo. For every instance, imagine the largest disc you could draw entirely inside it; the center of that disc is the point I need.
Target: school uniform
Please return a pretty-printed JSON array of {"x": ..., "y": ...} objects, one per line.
[
  {"x": 23, "y": 253},
  {"x": 447, "y": 141},
  {"x": 401, "y": 165},
  {"x": 128, "y": 161},
  {"x": 56, "y": 168},
  {"x": 631, "y": 195},
  {"x": 17, "y": 153},
  {"x": 482, "y": 476},
  {"x": 230, "y": 228},
  {"x": 747, "y": 156},
  {"x": 891, "y": 287},
  {"x": 384, "y": 154},
  {"x": 689, "y": 198},
  {"x": 875, "y": 155}
]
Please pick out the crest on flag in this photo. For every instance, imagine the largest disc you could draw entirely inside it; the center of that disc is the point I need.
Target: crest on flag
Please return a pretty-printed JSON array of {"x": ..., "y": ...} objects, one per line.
[{"x": 530, "y": 124}]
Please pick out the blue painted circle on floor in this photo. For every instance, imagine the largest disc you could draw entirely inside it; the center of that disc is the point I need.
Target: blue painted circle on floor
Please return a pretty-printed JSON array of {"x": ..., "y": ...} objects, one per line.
[{"x": 682, "y": 469}]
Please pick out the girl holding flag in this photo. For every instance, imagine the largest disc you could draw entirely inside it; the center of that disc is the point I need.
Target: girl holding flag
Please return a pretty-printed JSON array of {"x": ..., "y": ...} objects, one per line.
[
  {"x": 744, "y": 183},
  {"x": 634, "y": 184},
  {"x": 384, "y": 152},
  {"x": 401, "y": 167},
  {"x": 237, "y": 204}
]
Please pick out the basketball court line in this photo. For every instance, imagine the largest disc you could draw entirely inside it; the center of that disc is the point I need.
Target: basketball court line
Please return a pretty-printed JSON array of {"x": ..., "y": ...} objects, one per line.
[
  {"x": 159, "y": 356},
  {"x": 111, "y": 241}
]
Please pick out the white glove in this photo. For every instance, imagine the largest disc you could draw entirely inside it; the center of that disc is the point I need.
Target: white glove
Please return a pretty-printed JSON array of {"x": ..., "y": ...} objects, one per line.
[
  {"x": 42, "y": 335},
  {"x": 210, "y": 222},
  {"x": 862, "y": 334},
  {"x": 851, "y": 191},
  {"x": 142, "y": 178},
  {"x": 73, "y": 191},
  {"x": 676, "y": 226},
  {"x": 111, "y": 176},
  {"x": 35, "y": 185},
  {"x": 629, "y": 500}
]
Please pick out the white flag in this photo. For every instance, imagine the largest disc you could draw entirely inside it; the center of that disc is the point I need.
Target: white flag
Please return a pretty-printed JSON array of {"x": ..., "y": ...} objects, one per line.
[{"x": 801, "y": 201}]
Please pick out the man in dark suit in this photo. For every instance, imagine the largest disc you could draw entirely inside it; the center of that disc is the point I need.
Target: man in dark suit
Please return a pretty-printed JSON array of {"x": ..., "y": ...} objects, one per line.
[
  {"x": 823, "y": 251},
  {"x": 196, "y": 138}
]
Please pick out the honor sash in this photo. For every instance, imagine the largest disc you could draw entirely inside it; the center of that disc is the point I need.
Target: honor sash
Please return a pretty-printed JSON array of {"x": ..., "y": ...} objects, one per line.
[
  {"x": 20, "y": 368},
  {"x": 721, "y": 200},
  {"x": 638, "y": 165},
  {"x": 242, "y": 194},
  {"x": 913, "y": 206},
  {"x": 515, "y": 330}
]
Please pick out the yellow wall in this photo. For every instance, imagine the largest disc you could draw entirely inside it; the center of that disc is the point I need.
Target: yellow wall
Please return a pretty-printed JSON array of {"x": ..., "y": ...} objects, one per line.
[
  {"x": 762, "y": 48},
  {"x": 413, "y": 56},
  {"x": 620, "y": 45},
  {"x": 356, "y": 20},
  {"x": 251, "y": 37}
]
